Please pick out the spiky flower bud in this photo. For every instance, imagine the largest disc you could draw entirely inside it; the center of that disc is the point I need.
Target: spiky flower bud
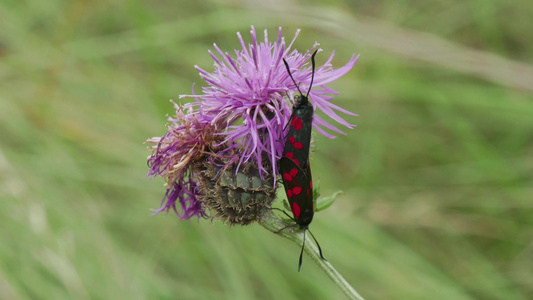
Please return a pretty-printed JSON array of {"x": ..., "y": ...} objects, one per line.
[{"x": 236, "y": 195}]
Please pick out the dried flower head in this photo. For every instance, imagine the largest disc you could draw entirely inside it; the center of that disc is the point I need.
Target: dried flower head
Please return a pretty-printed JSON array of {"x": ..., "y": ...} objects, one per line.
[
  {"x": 238, "y": 124},
  {"x": 187, "y": 141}
]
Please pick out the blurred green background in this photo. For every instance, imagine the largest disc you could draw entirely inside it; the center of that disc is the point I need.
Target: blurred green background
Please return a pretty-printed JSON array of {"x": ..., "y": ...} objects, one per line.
[{"x": 438, "y": 175}]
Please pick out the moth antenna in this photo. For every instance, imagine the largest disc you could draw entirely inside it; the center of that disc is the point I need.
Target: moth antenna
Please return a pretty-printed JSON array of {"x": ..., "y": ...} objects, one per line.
[
  {"x": 301, "y": 253},
  {"x": 289, "y": 71},
  {"x": 319, "y": 249},
  {"x": 313, "y": 73}
]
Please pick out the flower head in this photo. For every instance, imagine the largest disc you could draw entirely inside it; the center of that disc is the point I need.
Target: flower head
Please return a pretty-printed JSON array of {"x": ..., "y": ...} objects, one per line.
[
  {"x": 187, "y": 141},
  {"x": 238, "y": 122},
  {"x": 246, "y": 96}
]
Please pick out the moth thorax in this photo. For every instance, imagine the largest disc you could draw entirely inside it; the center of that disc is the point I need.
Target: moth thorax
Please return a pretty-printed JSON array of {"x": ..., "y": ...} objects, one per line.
[
  {"x": 301, "y": 100},
  {"x": 234, "y": 197}
]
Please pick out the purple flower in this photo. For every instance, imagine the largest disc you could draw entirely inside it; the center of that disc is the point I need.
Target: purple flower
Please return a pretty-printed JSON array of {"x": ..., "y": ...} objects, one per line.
[
  {"x": 240, "y": 116},
  {"x": 246, "y": 97},
  {"x": 186, "y": 140}
]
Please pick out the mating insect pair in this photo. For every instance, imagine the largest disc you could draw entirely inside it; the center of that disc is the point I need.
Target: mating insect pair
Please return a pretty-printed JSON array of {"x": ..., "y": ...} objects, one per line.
[{"x": 294, "y": 165}]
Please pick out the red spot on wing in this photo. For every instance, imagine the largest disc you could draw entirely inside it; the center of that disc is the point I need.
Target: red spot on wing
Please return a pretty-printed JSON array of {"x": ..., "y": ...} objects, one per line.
[
  {"x": 287, "y": 177},
  {"x": 296, "y": 210},
  {"x": 291, "y": 156},
  {"x": 311, "y": 184},
  {"x": 307, "y": 192},
  {"x": 298, "y": 145},
  {"x": 297, "y": 124},
  {"x": 289, "y": 193},
  {"x": 296, "y": 190},
  {"x": 293, "y": 120},
  {"x": 293, "y": 172},
  {"x": 292, "y": 139}
]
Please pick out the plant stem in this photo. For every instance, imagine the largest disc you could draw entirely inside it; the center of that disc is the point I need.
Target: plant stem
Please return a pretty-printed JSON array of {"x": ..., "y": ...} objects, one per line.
[{"x": 273, "y": 223}]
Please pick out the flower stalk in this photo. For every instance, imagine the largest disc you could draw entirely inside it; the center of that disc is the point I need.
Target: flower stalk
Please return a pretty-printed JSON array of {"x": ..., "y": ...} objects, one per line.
[{"x": 273, "y": 223}]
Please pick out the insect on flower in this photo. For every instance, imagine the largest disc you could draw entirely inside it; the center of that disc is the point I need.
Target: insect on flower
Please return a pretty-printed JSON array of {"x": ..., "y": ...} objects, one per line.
[
  {"x": 235, "y": 128},
  {"x": 294, "y": 166}
]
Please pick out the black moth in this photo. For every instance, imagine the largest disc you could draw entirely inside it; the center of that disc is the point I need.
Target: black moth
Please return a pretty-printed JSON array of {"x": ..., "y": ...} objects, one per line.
[{"x": 294, "y": 165}]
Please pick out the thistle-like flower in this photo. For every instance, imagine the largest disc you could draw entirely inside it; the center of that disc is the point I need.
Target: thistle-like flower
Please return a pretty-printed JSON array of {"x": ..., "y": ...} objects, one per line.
[
  {"x": 236, "y": 127},
  {"x": 186, "y": 142}
]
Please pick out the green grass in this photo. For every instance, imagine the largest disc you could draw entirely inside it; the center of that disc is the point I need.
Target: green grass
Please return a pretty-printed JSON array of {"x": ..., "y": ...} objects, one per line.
[{"x": 437, "y": 176}]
